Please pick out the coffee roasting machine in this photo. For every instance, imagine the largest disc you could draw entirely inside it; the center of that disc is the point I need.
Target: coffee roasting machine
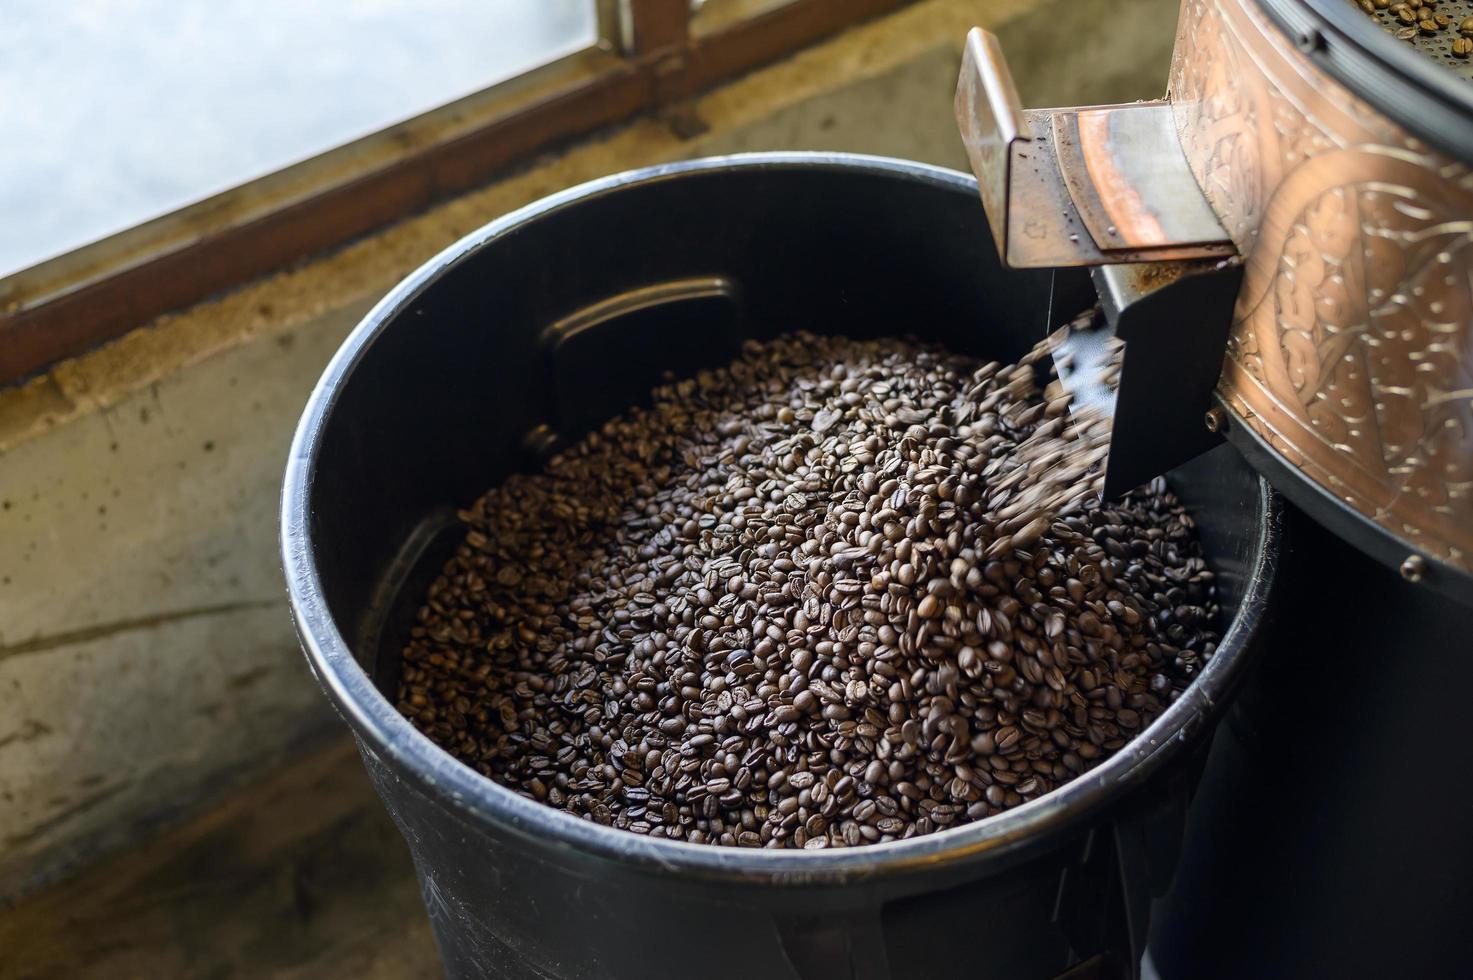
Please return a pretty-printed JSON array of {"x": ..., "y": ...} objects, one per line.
[{"x": 1285, "y": 245}]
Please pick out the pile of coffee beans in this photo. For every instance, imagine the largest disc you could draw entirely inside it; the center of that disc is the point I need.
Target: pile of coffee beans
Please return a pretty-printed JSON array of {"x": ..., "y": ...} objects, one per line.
[
  {"x": 792, "y": 604},
  {"x": 1440, "y": 28}
]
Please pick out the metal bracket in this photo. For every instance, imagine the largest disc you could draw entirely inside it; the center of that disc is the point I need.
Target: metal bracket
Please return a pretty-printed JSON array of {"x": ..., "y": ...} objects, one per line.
[{"x": 1070, "y": 187}]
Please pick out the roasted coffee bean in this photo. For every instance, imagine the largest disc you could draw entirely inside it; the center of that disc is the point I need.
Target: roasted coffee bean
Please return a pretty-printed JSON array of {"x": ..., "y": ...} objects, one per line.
[
  {"x": 1421, "y": 21},
  {"x": 835, "y": 593}
]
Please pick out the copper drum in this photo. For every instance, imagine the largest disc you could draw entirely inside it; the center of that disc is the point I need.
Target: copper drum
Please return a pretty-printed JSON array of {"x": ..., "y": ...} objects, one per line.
[{"x": 1351, "y": 352}]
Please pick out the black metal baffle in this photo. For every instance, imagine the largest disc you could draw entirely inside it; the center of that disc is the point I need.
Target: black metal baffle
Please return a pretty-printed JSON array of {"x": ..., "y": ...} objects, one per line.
[{"x": 552, "y": 319}]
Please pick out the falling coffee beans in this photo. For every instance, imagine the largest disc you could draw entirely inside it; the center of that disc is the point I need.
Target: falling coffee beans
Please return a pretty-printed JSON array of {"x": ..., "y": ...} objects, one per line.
[{"x": 791, "y": 604}]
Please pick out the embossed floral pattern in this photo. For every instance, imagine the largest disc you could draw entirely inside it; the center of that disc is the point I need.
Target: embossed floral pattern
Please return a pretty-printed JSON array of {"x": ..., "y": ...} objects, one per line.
[{"x": 1352, "y": 348}]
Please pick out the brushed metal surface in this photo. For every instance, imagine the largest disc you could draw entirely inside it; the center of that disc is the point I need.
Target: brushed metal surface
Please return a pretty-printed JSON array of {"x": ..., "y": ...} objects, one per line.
[
  {"x": 1135, "y": 189},
  {"x": 1037, "y": 220},
  {"x": 990, "y": 115}
]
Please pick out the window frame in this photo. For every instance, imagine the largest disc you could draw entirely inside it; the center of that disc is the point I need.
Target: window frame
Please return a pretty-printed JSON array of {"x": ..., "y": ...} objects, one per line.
[{"x": 651, "y": 53}]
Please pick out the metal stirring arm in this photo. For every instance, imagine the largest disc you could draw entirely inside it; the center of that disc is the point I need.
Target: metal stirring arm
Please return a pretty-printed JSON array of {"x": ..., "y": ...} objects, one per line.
[{"x": 1108, "y": 187}]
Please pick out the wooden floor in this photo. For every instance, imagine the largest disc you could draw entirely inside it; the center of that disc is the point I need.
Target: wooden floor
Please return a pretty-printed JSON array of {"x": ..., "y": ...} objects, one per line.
[{"x": 302, "y": 876}]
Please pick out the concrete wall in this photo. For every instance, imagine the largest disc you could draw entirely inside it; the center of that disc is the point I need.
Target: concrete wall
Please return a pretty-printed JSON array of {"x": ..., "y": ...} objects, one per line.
[{"x": 146, "y": 656}]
